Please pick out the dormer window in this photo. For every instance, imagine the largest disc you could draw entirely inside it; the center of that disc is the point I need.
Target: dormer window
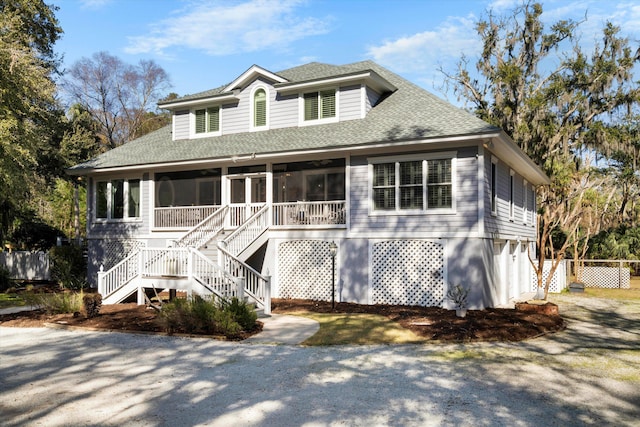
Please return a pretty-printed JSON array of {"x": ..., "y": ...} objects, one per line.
[
  {"x": 259, "y": 108},
  {"x": 320, "y": 105},
  {"x": 207, "y": 120}
]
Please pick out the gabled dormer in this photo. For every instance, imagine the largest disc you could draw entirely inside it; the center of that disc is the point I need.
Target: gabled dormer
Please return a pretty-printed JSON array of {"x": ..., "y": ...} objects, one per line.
[{"x": 259, "y": 100}]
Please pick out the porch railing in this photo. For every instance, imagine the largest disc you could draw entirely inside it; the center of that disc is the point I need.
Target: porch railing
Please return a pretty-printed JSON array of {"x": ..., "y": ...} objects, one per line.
[
  {"x": 256, "y": 286},
  {"x": 309, "y": 213},
  {"x": 176, "y": 217},
  {"x": 249, "y": 231},
  {"x": 214, "y": 278},
  {"x": 171, "y": 262},
  {"x": 238, "y": 214},
  {"x": 119, "y": 275},
  {"x": 204, "y": 231}
]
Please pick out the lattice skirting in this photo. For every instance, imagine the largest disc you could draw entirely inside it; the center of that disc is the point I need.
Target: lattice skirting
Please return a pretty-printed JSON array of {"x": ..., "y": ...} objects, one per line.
[
  {"x": 110, "y": 252},
  {"x": 407, "y": 272},
  {"x": 558, "y": 281},
  {"x": 304, "y": 268},
  {"x": 606, "y": 277}
]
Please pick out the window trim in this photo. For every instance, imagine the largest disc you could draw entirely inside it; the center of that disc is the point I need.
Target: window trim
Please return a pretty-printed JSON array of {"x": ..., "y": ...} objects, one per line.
[
  {"x": 252, "y": 108},
  {"x": 192, "y": 122},
  {"x": 525, "y": 202},
  {"x": 110, "y": 208},
  {"x": 493, "y": 186},
  {"x": 319, "y": 120},
  {"x": 512, "y": 194},
  {"x": 424, "y": 157}
]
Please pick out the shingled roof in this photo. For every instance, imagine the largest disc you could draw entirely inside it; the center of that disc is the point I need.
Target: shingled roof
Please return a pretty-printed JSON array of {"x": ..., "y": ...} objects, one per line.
[{"x": 408, "y": 114}]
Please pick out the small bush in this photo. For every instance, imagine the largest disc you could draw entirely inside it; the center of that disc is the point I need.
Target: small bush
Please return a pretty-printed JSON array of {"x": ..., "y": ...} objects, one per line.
[
  {"x": 68, "y": 266},
  {"x": 243, "y": 313},
  {"x": 56, "y": 303},
  {"x": 92, "y": 304},
  {"x": 198, "y": 315},
  {"x": 5, "y": 279}
]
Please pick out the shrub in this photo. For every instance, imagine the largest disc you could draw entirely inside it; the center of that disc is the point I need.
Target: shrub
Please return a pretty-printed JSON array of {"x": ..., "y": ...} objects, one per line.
[
  {"x": 199, "y": 315},
  {"x": 56, "y": 303},
  {"x": 68, "y": 266},
  {"x": 243, "y": 313},
  {"x": 92, "y": 304},
  {"x": 5, "y": 279}
]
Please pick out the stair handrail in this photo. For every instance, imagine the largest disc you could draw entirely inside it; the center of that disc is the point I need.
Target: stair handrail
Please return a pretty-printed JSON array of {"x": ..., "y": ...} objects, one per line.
[
  {"x": 247, "y": 232},
  {"x": 256, "y": 286},
  {"x": 120, "y": 274},
  {"x": 202, "y": 232},
  {"x": 222, "y": 284}
]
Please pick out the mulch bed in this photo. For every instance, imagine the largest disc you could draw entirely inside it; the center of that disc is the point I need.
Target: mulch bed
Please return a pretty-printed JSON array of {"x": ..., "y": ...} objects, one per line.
[
  {"x": 436, "y": 324},
  {"x": 492, "y": 324}
]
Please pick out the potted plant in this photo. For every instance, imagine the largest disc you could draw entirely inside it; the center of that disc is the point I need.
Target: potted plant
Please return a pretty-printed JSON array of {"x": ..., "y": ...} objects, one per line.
[{"x": 458, "y": 295}]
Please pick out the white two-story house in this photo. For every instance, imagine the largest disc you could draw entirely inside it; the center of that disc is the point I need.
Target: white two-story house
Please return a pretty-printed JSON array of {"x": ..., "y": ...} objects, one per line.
[{"x": 254, "y": 182}]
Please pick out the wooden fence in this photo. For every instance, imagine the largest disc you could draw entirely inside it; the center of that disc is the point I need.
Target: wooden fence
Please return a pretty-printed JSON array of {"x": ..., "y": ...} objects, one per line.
[{"x": 26, "y": 265}]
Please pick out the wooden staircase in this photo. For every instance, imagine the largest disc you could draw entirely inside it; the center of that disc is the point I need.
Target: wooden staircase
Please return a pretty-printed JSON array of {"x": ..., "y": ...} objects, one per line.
[{"x": 198, "y": 262}]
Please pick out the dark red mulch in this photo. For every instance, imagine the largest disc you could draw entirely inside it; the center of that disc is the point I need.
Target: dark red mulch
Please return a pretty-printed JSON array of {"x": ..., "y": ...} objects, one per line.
[{"x": 493, "y": 324}]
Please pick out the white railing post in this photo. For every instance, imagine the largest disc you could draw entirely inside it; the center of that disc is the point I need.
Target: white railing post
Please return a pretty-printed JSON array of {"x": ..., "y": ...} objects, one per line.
[
  {"x": 240, "y": 281},
  {"x": 101, "y": 284},
  {"x": 267, "y": 294}
]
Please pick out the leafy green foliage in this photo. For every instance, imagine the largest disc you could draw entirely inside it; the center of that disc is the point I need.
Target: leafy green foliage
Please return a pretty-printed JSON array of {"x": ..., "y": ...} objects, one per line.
[
  {"x": 68, "y": 266},
  {"x": 200, "y": 315},
  {"x": 5, "y": 279}
]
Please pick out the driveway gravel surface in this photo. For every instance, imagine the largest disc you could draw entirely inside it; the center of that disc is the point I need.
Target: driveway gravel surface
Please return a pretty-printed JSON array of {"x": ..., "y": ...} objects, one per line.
[{"x": 587, "y": 375}]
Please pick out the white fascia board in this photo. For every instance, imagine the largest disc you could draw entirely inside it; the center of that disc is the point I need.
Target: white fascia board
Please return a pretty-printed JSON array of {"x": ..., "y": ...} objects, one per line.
[
  {"x": 251, "y": 74},
  {"x": 200, "y": 101},
  {"x": 371, "y": 78},
  {"x": 509, "y": 152}
]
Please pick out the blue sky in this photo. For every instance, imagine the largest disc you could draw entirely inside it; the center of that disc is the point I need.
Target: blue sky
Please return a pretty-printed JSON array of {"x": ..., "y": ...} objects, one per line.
[{"x": 206, "y": 43}]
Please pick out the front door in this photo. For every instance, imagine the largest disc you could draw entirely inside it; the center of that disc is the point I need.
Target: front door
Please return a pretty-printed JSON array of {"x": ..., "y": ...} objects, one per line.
[{"x": 247, "y": 194}]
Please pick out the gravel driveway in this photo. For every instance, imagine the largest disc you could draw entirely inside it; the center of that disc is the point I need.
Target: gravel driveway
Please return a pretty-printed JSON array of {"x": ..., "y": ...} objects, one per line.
[{"x": 586, "y": 375}]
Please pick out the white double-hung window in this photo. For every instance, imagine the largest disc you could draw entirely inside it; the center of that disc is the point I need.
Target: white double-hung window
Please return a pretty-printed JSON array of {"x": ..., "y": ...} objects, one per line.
[{"x": 412, "y": 184}]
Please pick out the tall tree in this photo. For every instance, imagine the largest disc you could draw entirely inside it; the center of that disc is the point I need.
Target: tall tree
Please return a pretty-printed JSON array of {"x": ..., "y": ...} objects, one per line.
[
  {"x": 29, "y": 113},
  {"x": 549, "y": 110},
  {"x": 118, "y": 96}
]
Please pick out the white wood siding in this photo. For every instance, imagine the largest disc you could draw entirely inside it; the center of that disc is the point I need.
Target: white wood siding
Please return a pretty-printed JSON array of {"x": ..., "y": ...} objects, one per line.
[
  {"x": 283, "y": 111},
  {"x": 181, "y": 125},
  {"x": 371, "y": 99},
  {"x": 501, "y": 222},
  {"x": 462, "y": 222},
  {"x": 350, "y": 103}
]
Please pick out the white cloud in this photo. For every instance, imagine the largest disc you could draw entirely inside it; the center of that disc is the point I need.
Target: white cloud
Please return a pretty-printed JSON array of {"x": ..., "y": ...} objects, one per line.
[
  {"x": 424, "y": 52},
  {"x": 94, "y": 4},
  {"x": 222, "y": 28}
]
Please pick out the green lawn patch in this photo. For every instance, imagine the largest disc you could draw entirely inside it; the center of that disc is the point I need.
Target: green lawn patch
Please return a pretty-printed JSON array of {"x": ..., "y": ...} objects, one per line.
[
  {"x": 363, "y": 329},
  {"x": 621, "y": 294},
  {"x": 10, "y": 300}
]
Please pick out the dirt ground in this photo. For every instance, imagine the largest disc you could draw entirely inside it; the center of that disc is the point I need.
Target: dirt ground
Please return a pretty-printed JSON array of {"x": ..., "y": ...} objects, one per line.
[{"x": 432, "y": 323}]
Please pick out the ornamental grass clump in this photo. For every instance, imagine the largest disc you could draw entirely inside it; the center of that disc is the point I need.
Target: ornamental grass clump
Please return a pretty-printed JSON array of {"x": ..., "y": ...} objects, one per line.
[
  {"x": 198, "y": 315},
  {"x": 56, "y": 303}
]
